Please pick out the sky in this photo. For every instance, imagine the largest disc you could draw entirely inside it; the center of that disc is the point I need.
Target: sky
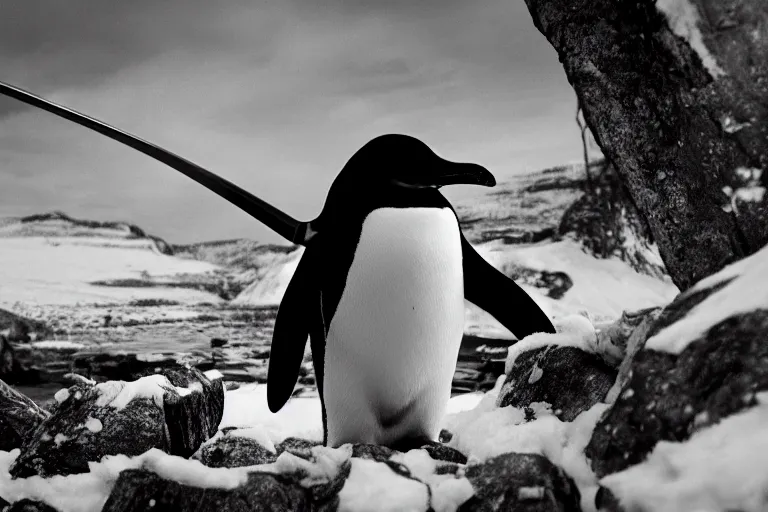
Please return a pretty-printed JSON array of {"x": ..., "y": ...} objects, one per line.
[{"x": 275, "y": 96}]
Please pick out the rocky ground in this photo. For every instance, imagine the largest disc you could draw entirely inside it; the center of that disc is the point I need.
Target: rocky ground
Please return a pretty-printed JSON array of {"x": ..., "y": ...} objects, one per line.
[
  {"x": 137, "y": 373},
  {"x": 663, "y": 410}
]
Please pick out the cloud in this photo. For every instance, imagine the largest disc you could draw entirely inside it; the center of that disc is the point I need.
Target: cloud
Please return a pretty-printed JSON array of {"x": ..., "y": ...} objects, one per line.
[{"x": 274, "y": 96}]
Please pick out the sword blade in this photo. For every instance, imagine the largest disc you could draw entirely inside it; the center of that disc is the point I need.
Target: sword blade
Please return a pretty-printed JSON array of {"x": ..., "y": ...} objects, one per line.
[{"x": 283, "y": 224}]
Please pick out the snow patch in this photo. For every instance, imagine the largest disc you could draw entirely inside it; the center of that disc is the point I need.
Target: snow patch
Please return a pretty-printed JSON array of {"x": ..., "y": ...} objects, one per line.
[
  {"x": 213, "y": 375},
  {"x": 57, "y": 345},
  {"x": 572, "y": 331},
  {"x": 94, "y": 425},
  {"x": 374, "y": 487},
  {"x": 61, "y": 395},
  {"x": 747, "y": 292},
  {"x": 60, "y": 438},
  {"x": 118, "y": 393},
  {"x": 683, "y": 18},
  {"x": 722, "y": 467}
]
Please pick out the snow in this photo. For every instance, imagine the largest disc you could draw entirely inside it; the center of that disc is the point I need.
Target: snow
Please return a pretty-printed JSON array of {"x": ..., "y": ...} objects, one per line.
[
  {"x": 323, "y": 468},
  {"x": 87, "y": 492},
  {"x": 247, "y": 405},
  {"x": 374, "y": 487},
  {"x": 118, "y": 393},
  {"x": 572, "y": 331},
  {"x": 747, "y": 292},
  {"x": 59, "y": 274},
  {"x": 486, "y": 431},
  {"x": 722, "y": 467},
  {"x": 213, "y": 375},
  {"x": 603, "y": 288},
  {"x": 94, "y": 425},
  {"x": 57, "y": 345},
  {"x": 269, "y": 289},
  {"x": 256, "y": 433},
  {"x": 60, "y": 438},
  {"x": 683, "y": 18},
  {"x": 61, "y": 395}
]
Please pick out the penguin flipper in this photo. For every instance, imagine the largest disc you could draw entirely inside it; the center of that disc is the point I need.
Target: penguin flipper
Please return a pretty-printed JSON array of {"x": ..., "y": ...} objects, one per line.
[
  {"x": 500, "y": 296},
  {"x": 289, "y": 337}
]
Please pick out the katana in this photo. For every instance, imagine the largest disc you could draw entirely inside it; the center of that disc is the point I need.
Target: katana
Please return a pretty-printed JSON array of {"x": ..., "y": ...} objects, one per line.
[{"x": 293, "y": 230}]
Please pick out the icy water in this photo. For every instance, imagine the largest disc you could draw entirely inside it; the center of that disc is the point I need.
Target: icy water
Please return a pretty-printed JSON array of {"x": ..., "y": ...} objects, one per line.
[{"x": 146, "y": 339}]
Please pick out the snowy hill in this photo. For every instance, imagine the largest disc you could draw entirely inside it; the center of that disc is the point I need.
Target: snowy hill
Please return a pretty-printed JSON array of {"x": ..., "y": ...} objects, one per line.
[{"x": 55, "y": 259}]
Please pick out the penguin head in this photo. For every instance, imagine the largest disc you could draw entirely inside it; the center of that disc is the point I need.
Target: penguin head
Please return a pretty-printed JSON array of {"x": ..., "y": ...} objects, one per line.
[
  {"x": 394, "y": 171},
  {"x": 400, "y": 161}
]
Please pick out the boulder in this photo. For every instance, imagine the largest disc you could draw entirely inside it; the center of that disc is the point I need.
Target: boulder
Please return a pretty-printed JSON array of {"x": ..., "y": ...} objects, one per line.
[
  {"x": 296, "y": 446},
  {"x": 138, "y": 491},
  {"x": 520, "y": 482},
  {"x": 19, "y": 416},
  {"x": 291, "y": 483},
  {"x": 559, "y": 369},
  {"x": 27, "y": 505},
  {"x": 237, "y": 447},
  {"x": 570, "y": 379},
  {"x": 174, "y": 410},
  {"x": 701, "y": 366},
  {"x": 670, "y": 396}
]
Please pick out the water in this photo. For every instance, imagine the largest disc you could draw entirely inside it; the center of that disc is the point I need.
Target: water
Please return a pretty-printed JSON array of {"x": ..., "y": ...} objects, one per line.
[{"x": 104, "y": 353}]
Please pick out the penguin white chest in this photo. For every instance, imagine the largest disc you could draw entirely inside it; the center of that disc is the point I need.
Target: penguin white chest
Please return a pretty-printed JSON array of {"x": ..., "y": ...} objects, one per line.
[{"x": 392, "y": 345}]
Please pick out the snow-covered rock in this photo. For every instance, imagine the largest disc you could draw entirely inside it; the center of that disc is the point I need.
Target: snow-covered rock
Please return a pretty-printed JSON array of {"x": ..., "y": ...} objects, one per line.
[
  {"x": 522, "y": 482},
  {"x": 19, "y": 416},
  {"x": 174, "y": 410},
  {"x": 234, "y": 447},
  {"x": 702, "y": 369},
  {"x": 27, "y": 505},
  {"x": 569, "y": 379}
]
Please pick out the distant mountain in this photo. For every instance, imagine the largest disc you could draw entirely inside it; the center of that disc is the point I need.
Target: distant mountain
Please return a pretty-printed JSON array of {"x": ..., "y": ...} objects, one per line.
[{"x": 540, "y": 229}]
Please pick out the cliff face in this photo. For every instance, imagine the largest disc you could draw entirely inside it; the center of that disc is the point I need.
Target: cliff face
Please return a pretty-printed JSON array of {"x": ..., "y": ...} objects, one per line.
[{"x": 607, "y": 223}]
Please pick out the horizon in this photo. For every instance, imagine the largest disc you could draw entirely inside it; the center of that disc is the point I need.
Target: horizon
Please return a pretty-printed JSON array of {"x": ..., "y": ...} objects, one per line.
[{"x": 295, "y": 88}]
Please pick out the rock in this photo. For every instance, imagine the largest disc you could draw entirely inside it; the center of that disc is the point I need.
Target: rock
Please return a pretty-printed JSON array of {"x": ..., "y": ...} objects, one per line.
[
  {"x": 520, "y": 482},
  {"x": 231, "y": 451},
  {"x": 607, "y": 223},
  {"x": 612, "y": 340},
  {"x": 443, "y": 453},
  {"x": 372, "y": 452},
  {"x": 138, "y": 490},
  {"x": 27, "y": 505},
  {"x": 218, "y": 342},
  {"x": 9, "y": 366},
  {"x": 21, "y": 329},
  {"x": 669, "y": 396},
  {"x": 635, "y": 343},
  {"x": 292, "y": 483},
  {"x": 194, "y": 417},
  {"x": 704, "y": 359},
  {"x": 175, "y": 411},
  {"x": 605, "y": 501},
  {"x": 568, "y": 378},
  {"x": 19, "y": 416},
  {"x": 556, "y": 283},
  {"x": 299, "y": 447}
]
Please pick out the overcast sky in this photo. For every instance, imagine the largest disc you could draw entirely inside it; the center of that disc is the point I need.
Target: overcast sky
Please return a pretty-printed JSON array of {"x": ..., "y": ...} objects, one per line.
[{"x": 275, "y": 96}]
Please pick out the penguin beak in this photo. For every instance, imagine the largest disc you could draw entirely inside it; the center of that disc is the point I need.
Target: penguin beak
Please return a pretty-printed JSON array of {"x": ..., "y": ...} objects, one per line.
[{"x": 454, "y": 173}]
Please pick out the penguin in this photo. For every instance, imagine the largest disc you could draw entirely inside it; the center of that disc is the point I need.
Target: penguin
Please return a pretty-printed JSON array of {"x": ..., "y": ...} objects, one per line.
[
  {"x": 379, "y": 290},
  {"x": 380, "y": 294}
]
